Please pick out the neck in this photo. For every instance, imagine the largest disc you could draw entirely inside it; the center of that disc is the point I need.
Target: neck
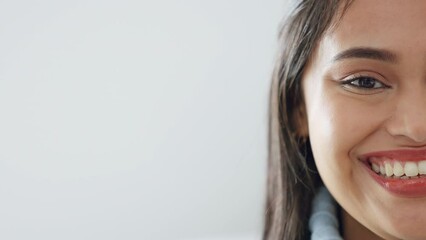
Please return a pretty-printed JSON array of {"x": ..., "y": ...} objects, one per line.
[{"x": 353, "y": 230}]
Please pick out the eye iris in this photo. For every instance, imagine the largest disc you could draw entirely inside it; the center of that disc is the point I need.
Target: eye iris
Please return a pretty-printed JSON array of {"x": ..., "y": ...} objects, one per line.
[{"x": 366, "y": 82}]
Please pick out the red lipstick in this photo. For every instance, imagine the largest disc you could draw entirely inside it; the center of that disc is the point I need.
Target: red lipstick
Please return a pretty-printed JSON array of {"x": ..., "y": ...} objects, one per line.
[
  {"x": 402, "y": 186},
  {"x": 400, "y": 155}
]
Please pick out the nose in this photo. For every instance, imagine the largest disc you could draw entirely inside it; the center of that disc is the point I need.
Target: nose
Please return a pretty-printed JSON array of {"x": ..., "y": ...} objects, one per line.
[{"x": 408, "y": 121}]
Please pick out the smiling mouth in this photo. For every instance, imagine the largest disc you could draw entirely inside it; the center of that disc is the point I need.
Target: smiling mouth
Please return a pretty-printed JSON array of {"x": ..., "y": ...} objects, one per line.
[
  {"x": 400, "y": 172},
  {"x": 396, "y": 169}
]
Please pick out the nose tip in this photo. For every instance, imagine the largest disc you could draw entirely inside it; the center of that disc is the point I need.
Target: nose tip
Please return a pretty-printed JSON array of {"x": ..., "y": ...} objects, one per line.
[
  {"x": 406, "y": 121},
  {"x": 415, "y": 130},
  {"x": 409, "y": 124}
]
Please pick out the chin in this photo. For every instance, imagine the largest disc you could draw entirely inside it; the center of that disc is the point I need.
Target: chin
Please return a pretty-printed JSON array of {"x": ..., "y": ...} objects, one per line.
[{"x": 410, "y": 225}]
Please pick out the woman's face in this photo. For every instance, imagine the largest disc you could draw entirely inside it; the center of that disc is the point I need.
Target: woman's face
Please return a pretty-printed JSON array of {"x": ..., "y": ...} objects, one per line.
[{"x": 365, "y": 96}]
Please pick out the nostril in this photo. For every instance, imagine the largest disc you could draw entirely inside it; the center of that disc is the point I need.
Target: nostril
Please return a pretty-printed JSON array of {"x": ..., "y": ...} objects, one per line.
[
  {"x": 409, "y": 138},
  {"x": 408, "y": 121}
]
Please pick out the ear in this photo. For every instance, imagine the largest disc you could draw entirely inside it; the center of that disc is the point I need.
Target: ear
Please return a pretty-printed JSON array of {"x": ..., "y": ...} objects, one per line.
[{"x": 300, "y": 120}]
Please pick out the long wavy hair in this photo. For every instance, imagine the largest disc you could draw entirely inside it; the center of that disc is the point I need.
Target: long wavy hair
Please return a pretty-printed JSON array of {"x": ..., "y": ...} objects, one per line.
[{"x": 292, "y": 174}]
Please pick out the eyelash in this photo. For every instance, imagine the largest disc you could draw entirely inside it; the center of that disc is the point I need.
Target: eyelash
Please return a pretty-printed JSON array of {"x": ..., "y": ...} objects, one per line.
[{"x": 349, "y": 84}]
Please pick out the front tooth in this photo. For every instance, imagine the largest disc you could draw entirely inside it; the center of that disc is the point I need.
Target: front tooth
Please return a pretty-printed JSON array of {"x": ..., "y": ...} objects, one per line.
[
  {"x": 388, "y": 169},
  {"x": 382, "y": 170},
  {"x": 411, "y": 169},
  {"x": 422, "y": 167},
  {"x": 398, "y": 170},
  {"x": 376, "y": 167}
]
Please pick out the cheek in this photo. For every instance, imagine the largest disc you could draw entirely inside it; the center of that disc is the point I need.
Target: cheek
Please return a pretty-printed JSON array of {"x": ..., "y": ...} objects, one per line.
[
  {"x": 331, "y": 125},
  {"x": 329, "y": 135},
  {"x": 337, "y": 126}
]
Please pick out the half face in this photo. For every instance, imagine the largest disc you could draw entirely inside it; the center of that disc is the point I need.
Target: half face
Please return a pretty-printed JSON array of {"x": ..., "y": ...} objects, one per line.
[{"x": 365, "y": 96}]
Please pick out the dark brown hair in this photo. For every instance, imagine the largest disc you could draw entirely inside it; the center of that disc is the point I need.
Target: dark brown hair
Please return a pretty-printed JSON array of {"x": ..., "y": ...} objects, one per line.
[{"x": 292, "y": 175}]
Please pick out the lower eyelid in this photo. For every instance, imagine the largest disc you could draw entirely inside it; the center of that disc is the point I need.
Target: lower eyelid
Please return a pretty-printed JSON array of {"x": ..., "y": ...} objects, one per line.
[{"x": 362, "y": 91}]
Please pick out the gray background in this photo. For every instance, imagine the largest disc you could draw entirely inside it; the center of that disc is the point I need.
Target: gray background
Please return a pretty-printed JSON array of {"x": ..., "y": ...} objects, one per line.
[{"x": 134, "y": 119}]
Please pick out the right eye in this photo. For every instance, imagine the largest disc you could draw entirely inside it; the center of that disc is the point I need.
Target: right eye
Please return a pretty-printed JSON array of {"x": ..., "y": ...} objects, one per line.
[
  {"x": 366, "y": 82},
  {"x": 363, "y": 85}
]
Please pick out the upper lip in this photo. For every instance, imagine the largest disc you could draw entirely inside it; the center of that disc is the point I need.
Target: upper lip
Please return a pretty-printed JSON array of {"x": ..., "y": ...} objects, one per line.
[{"x": 399, "y": 154}]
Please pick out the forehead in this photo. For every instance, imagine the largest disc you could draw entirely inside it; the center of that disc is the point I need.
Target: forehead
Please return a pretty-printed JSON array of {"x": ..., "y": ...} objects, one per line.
[{"x": 398, "y": 25}]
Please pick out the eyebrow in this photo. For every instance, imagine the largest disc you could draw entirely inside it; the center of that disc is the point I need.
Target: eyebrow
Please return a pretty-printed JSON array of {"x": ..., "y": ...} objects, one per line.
[{"x": 366, "y": 52}]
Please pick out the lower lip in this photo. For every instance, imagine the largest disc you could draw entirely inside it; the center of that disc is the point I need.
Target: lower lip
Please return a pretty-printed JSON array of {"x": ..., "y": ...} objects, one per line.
[{"x": 414, "y": 187}]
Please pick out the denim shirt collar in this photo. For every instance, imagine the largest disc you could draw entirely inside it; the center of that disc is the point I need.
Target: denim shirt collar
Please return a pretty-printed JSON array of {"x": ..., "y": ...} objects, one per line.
[{"x": 323, "y": 223}]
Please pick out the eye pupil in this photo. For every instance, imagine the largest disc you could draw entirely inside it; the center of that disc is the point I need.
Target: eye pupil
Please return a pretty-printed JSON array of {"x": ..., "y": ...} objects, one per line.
[{"x": 366, "y": 82}]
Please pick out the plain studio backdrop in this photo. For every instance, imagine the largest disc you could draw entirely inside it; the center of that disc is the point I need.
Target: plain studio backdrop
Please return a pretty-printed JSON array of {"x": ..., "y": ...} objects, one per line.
[{"x": 126, "y": 119}]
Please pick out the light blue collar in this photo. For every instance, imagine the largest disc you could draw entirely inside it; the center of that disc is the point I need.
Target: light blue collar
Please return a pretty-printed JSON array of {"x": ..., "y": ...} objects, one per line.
[{"x": 323, "y": 222}]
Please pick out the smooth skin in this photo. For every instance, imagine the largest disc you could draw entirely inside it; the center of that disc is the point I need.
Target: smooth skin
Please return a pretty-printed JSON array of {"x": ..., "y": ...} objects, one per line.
[{"x": 369, "y": 100}]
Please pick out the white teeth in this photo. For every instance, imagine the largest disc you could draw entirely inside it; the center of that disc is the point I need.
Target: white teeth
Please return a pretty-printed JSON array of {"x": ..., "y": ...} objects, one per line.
[
  {"x": 382, "y": 170},
  {"x": 422, "y": 167},
  {"x": 398, "y": 170},
  {"x": 376, "y": 167},
  {"x": 411, "y": 169},
  {"x": 388, "y": 169}
]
